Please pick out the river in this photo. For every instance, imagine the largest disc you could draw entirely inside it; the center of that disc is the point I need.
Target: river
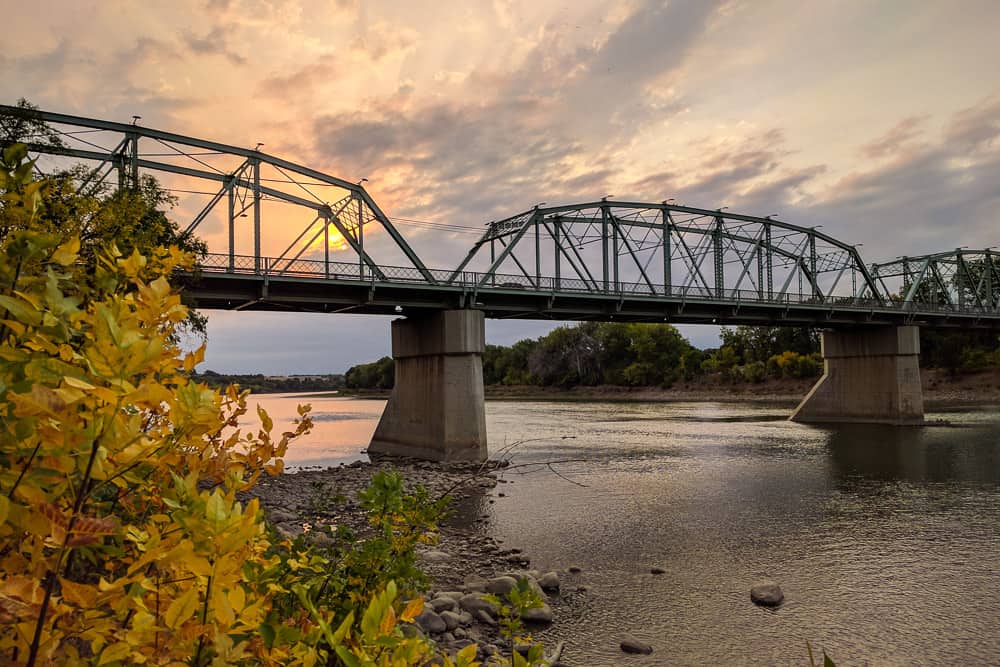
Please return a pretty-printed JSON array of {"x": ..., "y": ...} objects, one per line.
[{"x": 886, "y": 541}]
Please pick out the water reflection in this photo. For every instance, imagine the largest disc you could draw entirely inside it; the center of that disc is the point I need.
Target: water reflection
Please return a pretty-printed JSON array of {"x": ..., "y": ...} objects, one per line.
[
  {"x": 342, "y": 427},
  {"x": 939, "y": 454}
]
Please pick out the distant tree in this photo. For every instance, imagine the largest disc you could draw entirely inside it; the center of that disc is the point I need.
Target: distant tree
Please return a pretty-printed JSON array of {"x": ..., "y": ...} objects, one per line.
[
  {"x": 379, "y": 374},
  {"x": 762, "y": 343},
  {"x": 958, "y": 351},
  {"x": 566, "y": 357}
]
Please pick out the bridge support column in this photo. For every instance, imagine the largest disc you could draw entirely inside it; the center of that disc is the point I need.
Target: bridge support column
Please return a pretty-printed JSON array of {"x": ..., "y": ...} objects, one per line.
[
  {"x": 871, "y": 375},
  {"x": 436, "y": 410}
]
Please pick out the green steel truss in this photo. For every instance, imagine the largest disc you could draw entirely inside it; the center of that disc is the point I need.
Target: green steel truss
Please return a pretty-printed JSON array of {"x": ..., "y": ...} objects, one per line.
[
  {"x": 959, "y": 279},
  {"x": 671, "y": 251},
  {"x": 596, "y": 260}
]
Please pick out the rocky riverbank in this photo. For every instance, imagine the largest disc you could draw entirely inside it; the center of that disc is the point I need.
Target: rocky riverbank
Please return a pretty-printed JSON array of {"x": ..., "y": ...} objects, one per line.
[{"x": 464, "y": 564}]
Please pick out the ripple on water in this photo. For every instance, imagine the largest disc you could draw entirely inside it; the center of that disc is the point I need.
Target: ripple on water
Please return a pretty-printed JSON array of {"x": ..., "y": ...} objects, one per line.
[{"x": 886, "y": 541}]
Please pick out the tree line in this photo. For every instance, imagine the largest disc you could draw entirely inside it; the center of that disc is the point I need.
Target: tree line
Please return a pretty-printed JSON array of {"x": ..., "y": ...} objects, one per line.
[
  {"x": 271, "y": 384},
  {"x": 657, "y": 355},
  {"x": 630, "y": 354}
]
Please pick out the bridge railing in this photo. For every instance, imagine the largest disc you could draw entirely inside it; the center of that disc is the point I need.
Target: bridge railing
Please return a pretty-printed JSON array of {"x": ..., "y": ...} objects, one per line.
[{"x": 354, "y": 272}]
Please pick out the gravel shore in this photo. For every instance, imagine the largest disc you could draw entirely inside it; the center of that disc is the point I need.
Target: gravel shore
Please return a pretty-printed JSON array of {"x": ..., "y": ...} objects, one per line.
[{"x": 463, "y": 565}]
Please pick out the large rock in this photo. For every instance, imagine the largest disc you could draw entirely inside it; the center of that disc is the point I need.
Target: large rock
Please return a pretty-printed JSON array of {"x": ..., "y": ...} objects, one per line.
[
  {"x": 630, "y": 644},
  {"x": 500, "y": 586},
  {"x": 549, "y": 581},
  {"x": 541, "y": 614},
  {"x": 430, "y": 622},
  {"x": 451, "y": 620},
  {"x": 474, "y": 602},
  {"x": 435, "y": 556},
  {"x": 767, "y": 593},
  {"x": 442, "y": 603},
  {"x": 282, "y": 516}
]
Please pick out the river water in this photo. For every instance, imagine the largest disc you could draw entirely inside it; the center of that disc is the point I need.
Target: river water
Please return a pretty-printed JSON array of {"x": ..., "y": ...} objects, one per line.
[{"x": 886, "y": 541}]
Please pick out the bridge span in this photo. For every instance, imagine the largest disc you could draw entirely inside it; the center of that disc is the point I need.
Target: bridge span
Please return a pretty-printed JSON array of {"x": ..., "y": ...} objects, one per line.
[{"x": 596, "y": 260}]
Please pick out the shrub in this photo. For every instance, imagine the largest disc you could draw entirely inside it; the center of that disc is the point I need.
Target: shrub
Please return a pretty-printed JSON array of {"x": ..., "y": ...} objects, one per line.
[{"x": 123, "y": 539}]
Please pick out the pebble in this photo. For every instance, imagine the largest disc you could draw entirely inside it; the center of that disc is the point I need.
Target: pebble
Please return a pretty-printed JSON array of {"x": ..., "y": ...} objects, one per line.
[
  {"x": 483, "y": 617},
  {"x": 657, "y": 570},
  {"x": 440, "y": 604},
  {"x": 282, "y": 516}
]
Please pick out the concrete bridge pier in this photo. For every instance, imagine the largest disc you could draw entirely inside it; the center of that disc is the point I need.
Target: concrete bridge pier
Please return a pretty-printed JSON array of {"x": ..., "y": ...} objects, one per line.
[
  {"x": 871, "y": 375},
  {"x": 436, "y": 410}
]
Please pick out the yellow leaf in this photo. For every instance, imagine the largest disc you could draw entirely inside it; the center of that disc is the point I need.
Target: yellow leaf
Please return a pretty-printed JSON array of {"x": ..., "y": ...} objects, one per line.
[
  {"x": 78, "y": 384},
  {"x": 79, "y": 594},
  {"x": 388, "y": 621},
  {"x": 66, "y": 254},
  {"x": 412, "y": 610},
  {"x": 4, "y": 509},
  {"x": 265, "y": 420},
  {"x": 237, "y": 598},
  {"x": 181, "y": 609},
  {"x": 115, "y": 652},
  {"x": 221, "y": 609},
  {"x": 215, "y": 508}
]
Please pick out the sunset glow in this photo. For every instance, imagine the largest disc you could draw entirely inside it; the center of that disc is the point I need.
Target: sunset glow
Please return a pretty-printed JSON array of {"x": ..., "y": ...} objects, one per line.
[{"x": 879, "y": 121}]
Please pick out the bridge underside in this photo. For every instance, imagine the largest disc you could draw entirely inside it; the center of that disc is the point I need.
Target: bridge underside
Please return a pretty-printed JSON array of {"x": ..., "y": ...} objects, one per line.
[{"x": 226, "y": 291}]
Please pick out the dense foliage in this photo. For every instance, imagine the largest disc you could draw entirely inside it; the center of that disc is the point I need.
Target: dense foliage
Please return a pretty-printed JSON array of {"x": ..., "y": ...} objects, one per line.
[
  {"x": 379, "y": 374},
  {"x": 122, "y": 537},
  {"x": 959, "y": 351}
]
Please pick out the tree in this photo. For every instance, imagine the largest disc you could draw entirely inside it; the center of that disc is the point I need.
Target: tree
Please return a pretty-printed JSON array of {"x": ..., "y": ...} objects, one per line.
[
  {"x": 566, "y": 357},
  {"x": 380, "y": 374},
  {"x": 24, "y": 126},
  {"x": 130, "y": 219},
  {"x": 761, "y": 343}
]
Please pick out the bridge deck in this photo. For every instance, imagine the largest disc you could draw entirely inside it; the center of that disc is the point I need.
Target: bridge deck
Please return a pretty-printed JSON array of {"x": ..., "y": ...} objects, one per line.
[{"x": 313, "y": 286}]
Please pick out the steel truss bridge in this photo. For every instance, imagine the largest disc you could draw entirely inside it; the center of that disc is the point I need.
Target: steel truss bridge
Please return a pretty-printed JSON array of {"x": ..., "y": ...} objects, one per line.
[{"x": 598, "y": 260}]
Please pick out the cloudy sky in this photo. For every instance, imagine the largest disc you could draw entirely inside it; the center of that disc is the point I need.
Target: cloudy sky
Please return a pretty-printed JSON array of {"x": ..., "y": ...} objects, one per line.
[{"x": 878, "y": 120}]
